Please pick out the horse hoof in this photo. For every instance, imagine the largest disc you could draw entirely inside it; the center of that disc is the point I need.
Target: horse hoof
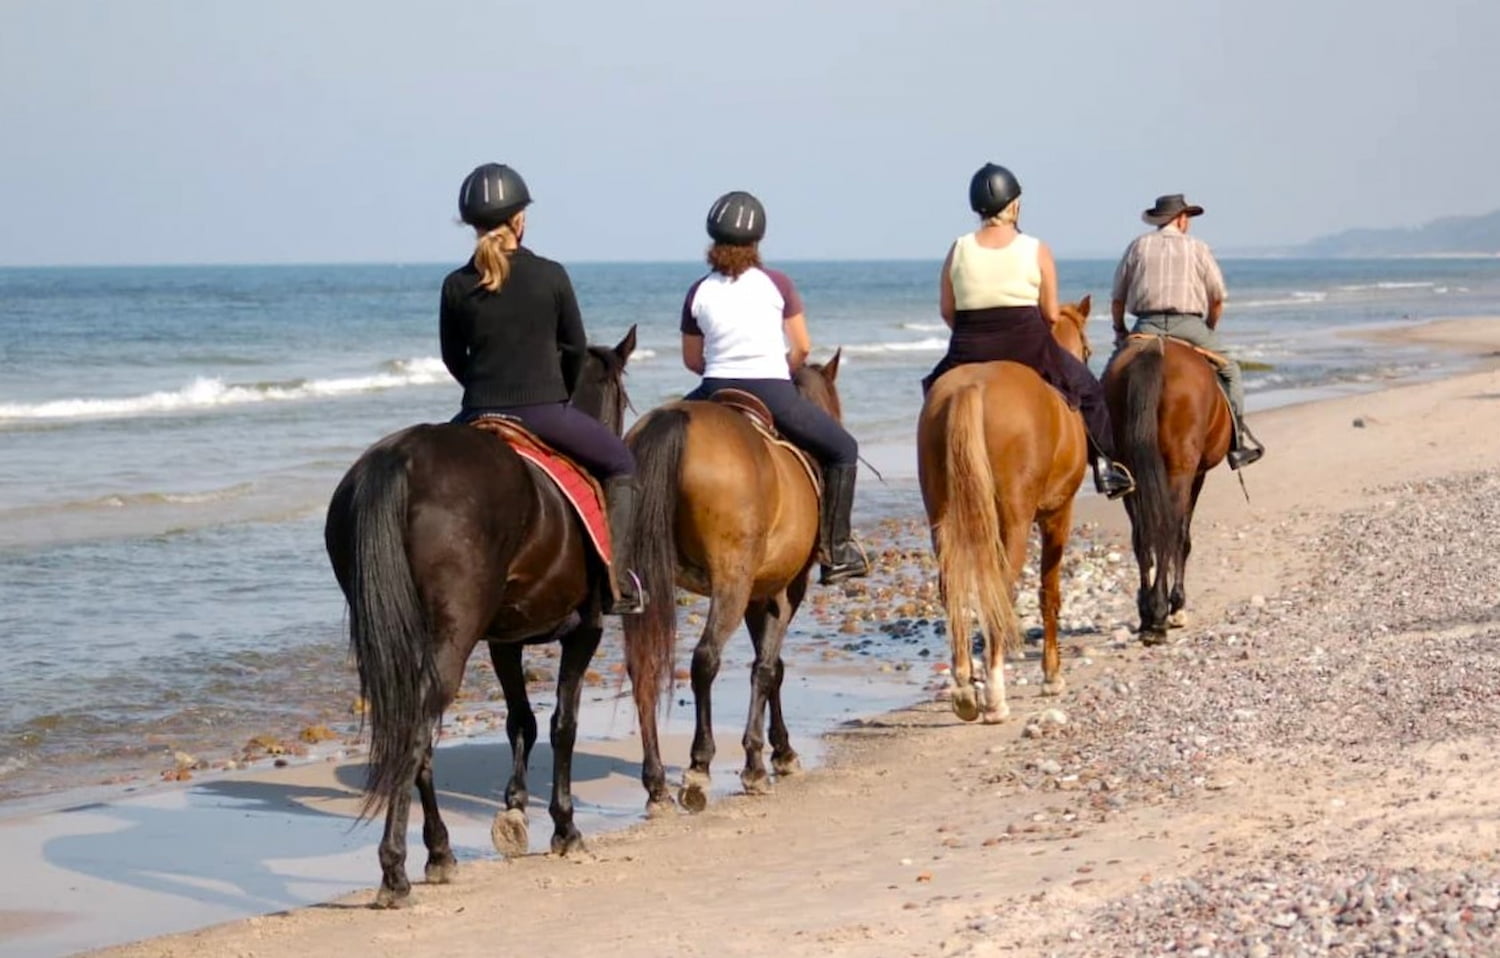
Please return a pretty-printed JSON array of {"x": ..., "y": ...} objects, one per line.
[
  {"x": 790, "y": 765},
  {"x": 1149, "y": 637},
  {"x": 996, "y": 716},
  {"x": 1055, "y": 687},
  {"x": 662, "y": 807},
  {"x": 756, "y": 783},
  {"x": 509, "y": 834},
  {"x": 441, "y": 872},
  {"x": 568, "y": 843},
  {"x": 966, "y": 704},
  {"x": 694, "y": 798},
  {"x": 1178, "y": 619},
  {"x": 390, "y": 898}
]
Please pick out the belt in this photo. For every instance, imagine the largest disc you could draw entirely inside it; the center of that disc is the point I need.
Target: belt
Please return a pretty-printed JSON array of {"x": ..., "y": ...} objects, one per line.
[{"x": 1166, "y": 312}]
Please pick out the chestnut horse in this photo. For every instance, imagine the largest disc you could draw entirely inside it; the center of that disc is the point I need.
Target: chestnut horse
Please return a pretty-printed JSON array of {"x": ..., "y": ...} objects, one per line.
[
  {"x": 441, "y": 537},
  {"x": 1172, "y": 425},
  {"x": 727, "y": 514},
  {"x": 998, "y": 451}
]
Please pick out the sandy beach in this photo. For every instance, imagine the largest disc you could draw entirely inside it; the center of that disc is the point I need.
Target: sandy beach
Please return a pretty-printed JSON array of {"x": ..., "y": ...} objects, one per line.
[{"x": 1310, "y": 765}]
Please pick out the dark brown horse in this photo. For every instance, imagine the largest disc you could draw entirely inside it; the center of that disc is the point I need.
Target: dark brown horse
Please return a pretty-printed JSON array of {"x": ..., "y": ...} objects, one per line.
[
  {"x": 442, "y": 537},
  {"x": 998, "y": 451},
  {"x": 1172, "y": 425},
  {"x": 726, "y": 514}
]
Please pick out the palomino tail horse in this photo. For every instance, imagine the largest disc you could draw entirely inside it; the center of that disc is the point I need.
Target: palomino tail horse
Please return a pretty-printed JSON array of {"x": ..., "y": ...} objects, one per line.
[
  {"x": 998, "y": 451},
  {"x": 441, "y": 537},
  {"x": 727, "y": 513},
  {"x": 1172, "y": 424}
]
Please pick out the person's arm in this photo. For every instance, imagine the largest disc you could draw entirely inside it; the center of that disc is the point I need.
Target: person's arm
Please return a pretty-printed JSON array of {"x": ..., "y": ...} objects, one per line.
[
  {"x": 799, "y": 343},
  {"x": 1213, "y": 285},
  {"x": 451, "y": 336},
  {"x": 572, "y": 341},
  {"x": 1118, "y": 292},
  {"x": 1047, "y": 298},
  {"x": 946, "y": 307},
  {"x": 692, "y": 352},
  {"x": 692, "y": 334}
]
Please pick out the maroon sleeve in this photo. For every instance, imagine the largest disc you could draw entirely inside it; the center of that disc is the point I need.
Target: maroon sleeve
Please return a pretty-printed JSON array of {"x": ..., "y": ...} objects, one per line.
[
  {"x": 690, "y": 325},
  {"x": 789, "y": 297}
]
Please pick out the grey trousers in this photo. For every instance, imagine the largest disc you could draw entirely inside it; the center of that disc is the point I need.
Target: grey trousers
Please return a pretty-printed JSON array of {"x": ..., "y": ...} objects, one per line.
[{"x": 1194, "y": 330}]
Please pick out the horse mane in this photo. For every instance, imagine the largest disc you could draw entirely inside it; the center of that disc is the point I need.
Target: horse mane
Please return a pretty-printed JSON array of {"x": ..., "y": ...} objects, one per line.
[
  {"x": 1076, "y": 315},
  {"x": 616, "y": 399}
]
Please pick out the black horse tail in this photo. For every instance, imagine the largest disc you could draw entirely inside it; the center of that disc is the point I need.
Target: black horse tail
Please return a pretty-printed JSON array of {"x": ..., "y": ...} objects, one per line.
[
  {"x": 1156, "y": 521},
  {"x": 388, "y": 629},
  {"x": 651, "y": 638}
]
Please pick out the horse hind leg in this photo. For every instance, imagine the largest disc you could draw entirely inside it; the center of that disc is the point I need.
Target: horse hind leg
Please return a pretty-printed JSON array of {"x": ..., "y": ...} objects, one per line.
[
  {"x": 441, "y": 865},
  {"x": 995, "y": 708},
  {"x": 725, "y": 610},
  {"x": 784, "y": 760},
  {"x": 1177, "y": 616},
  {"x": 766, "y": 621},
  {"x": 509, "y": 831}
]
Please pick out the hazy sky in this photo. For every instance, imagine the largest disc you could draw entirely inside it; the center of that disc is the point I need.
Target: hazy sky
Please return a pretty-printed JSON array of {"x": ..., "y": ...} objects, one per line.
[{"x": 205, "y": 131}]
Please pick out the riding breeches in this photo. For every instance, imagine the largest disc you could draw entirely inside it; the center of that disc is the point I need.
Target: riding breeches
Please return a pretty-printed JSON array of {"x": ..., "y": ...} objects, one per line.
[
  {"x": 1190, "y": 328},
  {"x": 570, "y": 431},
  {"x": 795, "y": 416}
]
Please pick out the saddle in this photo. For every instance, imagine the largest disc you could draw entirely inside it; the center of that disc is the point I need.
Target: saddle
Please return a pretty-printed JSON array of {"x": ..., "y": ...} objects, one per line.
[
  {"x": 759, "y": 415},
  {"x": 1217, "y": 360},
  {"x": 578, "y": 487}
]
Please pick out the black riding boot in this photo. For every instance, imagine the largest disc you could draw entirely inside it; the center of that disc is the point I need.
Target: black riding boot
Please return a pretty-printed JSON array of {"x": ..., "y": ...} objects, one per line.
[
  {"x": 1111, "y": 478},
  {"x": 619, "y": 502},
  {"x": 841, "y": 556}
]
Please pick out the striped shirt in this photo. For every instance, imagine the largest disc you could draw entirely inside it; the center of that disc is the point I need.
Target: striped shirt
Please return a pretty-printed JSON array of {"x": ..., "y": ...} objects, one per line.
[{"x": 1168, "y": 271}]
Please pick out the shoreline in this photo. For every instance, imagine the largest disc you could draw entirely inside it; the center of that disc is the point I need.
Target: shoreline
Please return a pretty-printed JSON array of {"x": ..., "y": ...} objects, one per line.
[{"x": 1292, "y": 430}]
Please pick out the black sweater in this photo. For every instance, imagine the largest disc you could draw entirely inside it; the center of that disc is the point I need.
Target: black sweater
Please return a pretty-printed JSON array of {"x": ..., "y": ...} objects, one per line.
[{"x": 521, "y": 345}]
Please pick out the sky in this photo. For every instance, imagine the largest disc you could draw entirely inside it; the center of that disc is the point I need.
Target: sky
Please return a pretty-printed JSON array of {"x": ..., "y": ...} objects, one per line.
[{"x": 208, "y": 131}]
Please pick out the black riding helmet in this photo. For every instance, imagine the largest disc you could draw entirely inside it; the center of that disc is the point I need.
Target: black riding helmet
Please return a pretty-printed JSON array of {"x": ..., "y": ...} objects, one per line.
[
  {"x": 992, "y": 189},
  {"x": 737, "y": 219},
  {"x": 491, "y": 195}
]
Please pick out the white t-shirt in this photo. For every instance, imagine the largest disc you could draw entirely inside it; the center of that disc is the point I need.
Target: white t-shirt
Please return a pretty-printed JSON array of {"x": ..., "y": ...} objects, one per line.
[{"x": 740, "y": 321}]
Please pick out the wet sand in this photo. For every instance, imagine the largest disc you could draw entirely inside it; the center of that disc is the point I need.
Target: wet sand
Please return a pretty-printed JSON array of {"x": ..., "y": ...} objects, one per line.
[{"x": 1100, "y": 834}]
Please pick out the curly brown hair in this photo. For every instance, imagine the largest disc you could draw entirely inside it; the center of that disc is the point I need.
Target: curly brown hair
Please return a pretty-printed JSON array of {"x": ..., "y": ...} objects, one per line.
[{"x": 733, "y": 260}]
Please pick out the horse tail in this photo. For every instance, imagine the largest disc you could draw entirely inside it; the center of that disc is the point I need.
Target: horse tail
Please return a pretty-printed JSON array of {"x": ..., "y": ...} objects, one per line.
[
  {"x": 971, "y": 558},
  {"x": 651, "y": 637},
  {"x": 388, "y": 629},
  {"x": 1156, "y": 522}
]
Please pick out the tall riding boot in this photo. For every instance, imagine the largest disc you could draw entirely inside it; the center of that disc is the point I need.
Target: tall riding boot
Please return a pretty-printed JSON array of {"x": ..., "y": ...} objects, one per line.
[
  {"x": 1111, "y": 479},
  {"x": 841, "y": 556},
  {"x": 619, "y": 502}
]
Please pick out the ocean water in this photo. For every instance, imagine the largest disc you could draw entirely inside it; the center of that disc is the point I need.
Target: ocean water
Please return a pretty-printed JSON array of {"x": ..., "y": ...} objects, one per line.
[{"x": 169, "y": 438}]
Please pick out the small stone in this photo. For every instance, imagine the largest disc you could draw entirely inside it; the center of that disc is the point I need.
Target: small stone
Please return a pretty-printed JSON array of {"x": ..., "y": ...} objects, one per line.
[
  {"x": 1055, "y": 717},
  {"x": 1049, "y": 766},
  {"x": 1284, "y": 920},
  {"x": 1258, "y": 601}
]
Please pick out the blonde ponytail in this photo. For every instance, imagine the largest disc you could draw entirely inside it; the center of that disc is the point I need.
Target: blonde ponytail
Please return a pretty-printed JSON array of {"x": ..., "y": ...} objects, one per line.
[
  {"x": 1010, "y": 216},
  {"x": 492, "y": 256}
]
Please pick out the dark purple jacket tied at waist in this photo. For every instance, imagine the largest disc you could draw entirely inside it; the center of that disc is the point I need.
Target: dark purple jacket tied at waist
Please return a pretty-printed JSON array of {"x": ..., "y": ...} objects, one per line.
[{"x": 1016, "y": 333}]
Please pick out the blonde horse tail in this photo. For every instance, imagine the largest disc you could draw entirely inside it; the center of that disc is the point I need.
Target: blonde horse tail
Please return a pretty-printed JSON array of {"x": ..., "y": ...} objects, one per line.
[{"x": 971, "y": 558}]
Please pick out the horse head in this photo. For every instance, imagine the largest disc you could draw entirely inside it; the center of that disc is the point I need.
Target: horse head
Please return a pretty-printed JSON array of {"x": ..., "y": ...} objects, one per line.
[
  {"x": 815, "y": 381},
  {"x": 600, "y": 390},
  {"x": 1071, "y": 328}
]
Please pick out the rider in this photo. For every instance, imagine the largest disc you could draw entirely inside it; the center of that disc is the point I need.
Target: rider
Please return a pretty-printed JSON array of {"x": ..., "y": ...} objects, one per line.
[
  {"x": 1170, "y": 282},
  {"x": 998, "y": 293},
  {"x": 513, "y": 338},
  {"x": 736, "y": 324}
]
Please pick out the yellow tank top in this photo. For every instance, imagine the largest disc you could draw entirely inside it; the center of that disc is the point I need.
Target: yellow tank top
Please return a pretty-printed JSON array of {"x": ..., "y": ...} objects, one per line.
[{"x": 984, "y": 278}]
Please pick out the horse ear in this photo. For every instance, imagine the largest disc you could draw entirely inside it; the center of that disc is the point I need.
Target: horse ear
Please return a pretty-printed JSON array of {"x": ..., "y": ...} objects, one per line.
[
  {"x": 626, "y": 346},
  {"x": 831, "y": 368},
  {"x": 1085, "y": 304}
]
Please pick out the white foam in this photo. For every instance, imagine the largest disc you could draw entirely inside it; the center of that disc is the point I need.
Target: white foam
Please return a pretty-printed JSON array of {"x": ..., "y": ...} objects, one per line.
[
  {"x": 209, "y": 392},
  {"x": 1385, "y": 284},
  {"x": 1298, "y": 298},
  {"x": 925, "y": 327},
  {"x": 933, "y": 344}
]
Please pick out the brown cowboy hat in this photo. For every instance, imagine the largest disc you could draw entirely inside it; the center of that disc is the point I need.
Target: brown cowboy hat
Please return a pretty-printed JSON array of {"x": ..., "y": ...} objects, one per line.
[{"x": 1168, "y": 208}]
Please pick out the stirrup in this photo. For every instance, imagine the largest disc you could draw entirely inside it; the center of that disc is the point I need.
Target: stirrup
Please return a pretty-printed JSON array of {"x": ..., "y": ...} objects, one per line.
[
  {"x": 620, "y": 604},
  {"x": 1114, "y": 487},
  {"x": 858, "y": 567},
  {"x": 1245, "y": 455}
]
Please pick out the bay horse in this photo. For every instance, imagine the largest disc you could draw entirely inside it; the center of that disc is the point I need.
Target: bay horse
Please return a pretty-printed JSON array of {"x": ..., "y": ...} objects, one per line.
[
  {"x": 726, "y": 514},
  {"x": 442, "y": 536},
  {"x": 998, "y": 451},
  {"x": 1172, "y": 425}
]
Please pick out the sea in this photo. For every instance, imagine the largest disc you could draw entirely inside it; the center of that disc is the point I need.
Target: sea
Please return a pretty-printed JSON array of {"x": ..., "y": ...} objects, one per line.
[{"x": 170, "y": 436}]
